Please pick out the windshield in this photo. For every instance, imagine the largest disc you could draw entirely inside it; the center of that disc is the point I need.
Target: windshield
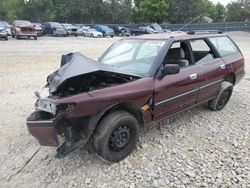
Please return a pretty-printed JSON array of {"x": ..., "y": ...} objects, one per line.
[
  {"x": 92, "y": 30},
  {"x": 157, "y": 27},
  {"x": 3, "y": 26},
  {"x": 20, "y": 22},
  {"x": 68, "y": 25},
  {"x": 56, "y": 25},
  {"x": 133, "y": 56}
]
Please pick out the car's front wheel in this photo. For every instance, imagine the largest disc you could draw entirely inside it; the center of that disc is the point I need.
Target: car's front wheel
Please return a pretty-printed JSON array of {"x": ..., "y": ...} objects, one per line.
[
  {"x": 223, "y": 97},
  {"x": 116, "y": 136}
]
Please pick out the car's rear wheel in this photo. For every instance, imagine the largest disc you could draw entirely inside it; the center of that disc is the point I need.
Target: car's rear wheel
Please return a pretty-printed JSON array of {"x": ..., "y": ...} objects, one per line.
[
  {"x": 6, "y": 38},
  {"x": 17, "y": 37},
  {"x": 35, "y": 37},
  {"x": 222, "y": 99},
  {"x": 92, "y": 35},
  {"x": 116, "y": 136}
]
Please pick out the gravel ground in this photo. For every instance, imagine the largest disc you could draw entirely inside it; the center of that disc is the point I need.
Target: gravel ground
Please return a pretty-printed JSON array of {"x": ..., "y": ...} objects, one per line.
[{"x": 199, "y": 148}]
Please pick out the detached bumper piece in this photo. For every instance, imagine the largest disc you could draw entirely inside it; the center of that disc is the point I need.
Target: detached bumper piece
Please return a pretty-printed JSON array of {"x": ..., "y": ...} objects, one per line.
[
  {"x": 72, "y": 142},
  {"x": 41, "y": 126},
  {"x": 44, "y": 127}
]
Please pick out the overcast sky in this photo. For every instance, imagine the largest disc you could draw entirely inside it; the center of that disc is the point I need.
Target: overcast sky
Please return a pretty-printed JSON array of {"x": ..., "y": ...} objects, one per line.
[{"x": 224, "y": 2}]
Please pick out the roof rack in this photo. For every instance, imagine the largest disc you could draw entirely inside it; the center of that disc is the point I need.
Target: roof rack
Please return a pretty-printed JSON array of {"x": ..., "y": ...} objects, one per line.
[{"x": 204, "y": 32}]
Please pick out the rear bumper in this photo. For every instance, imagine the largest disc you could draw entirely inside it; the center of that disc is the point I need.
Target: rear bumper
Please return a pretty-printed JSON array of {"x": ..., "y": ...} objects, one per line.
[
  {"x": 27, "y": 34},
  {"x": 43, "y": 130}
]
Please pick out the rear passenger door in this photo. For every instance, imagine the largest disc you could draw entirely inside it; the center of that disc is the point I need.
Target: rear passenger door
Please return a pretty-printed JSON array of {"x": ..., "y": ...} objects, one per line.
[{"x": 211, "y": 65}]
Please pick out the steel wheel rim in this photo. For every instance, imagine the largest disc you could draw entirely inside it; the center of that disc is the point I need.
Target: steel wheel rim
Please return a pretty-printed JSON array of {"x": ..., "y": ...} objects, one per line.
[
  {"x": 120, "y": 138},
  {"x": 223, "y": 98}
]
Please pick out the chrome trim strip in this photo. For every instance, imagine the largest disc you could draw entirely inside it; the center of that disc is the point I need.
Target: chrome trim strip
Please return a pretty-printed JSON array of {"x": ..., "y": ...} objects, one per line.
[
  {"x": 172, "y": 98},
  {"x": 181, "y": 95},
  {"x": 212, "y": 83},
  {"x": 39, "y": 121}
]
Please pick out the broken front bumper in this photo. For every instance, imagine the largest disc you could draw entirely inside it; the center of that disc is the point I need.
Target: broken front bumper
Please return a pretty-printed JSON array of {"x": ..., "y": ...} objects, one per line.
[{"x": 42, "y": 129}]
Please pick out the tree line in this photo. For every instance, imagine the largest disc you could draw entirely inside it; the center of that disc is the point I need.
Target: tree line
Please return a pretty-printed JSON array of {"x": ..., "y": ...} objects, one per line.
[{"x": 122, "y": 11}]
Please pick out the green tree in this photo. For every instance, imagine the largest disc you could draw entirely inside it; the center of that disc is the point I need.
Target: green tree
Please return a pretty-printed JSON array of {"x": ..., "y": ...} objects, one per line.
[
  {"x": 151, "y": 11},
  {"x": 238, "y": 11},
  {"x": 182, "y": 11}
]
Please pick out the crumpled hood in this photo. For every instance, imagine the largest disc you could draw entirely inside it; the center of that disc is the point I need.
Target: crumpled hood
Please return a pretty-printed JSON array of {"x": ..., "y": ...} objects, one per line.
[{"x": 77, "y": 64}]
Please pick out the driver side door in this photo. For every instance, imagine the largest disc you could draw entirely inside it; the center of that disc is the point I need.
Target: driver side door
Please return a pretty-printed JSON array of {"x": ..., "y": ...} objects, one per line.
[{"x": 174, "y": 93}]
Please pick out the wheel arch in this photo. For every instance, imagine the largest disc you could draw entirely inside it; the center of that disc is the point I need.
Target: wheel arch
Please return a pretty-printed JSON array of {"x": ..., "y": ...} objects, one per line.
[
  {"x": 231, "y": 78},
  {"x": 128, "y": 107},
  {"x": 125, "y": 106}
]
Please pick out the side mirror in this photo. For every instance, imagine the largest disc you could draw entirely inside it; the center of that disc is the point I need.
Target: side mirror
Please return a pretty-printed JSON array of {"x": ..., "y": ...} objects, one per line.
[{"x": 169, "y": 69}]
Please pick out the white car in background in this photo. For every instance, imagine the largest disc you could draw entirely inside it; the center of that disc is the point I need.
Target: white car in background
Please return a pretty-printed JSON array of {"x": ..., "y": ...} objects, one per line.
[
  {"x": 7, "y": 27},
  {"x": 92, "y": 33}
]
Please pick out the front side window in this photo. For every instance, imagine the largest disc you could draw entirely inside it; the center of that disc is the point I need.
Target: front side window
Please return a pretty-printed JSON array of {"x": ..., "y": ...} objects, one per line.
[
  {"x": 201, "y": 51},
  {"x": 224, "y": 45},
  {"x": 178, "y": 54},
  {"x": 133, "y": 56}
]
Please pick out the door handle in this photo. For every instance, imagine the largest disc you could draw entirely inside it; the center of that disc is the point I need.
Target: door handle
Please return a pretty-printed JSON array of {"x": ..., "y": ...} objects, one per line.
[
  {"x": 193, "y": 76},
  {"x": 223, "y": 66}
]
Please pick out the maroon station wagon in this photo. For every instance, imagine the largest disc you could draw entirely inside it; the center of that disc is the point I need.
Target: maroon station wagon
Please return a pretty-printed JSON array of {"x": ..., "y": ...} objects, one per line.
[{"x": 137, "y": 82}]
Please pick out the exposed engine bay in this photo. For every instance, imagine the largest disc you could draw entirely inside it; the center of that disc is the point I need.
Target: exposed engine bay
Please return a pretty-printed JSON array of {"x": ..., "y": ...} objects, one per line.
[
  {"x": 91, "y": 81},
  {"x": 79, "y": 74}
]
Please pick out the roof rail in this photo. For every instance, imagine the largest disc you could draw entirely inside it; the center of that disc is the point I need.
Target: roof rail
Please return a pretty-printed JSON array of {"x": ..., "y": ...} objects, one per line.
[{"x": 204, "y": 32}]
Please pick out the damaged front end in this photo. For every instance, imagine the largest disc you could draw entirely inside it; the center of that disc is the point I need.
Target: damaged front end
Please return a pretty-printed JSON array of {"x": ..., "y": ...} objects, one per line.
[{"x": 77, "y": 74}]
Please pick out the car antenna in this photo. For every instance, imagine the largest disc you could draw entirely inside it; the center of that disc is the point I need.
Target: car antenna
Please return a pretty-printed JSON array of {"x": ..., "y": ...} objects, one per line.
[{"x": 190, "y": 22}]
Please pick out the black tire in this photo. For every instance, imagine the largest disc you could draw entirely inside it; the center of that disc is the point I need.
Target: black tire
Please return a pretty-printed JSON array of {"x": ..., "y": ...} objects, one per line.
[
  {"x": 54, "y": 34},
  {"x": 104, "y": 34},
  {"x": 116, "y": 136},
  {"x": 112, "y": 36},
  {"x": 91, "y": 35},
  {"x": 17, "y": 37},
  {"x": 35, "y": 37},
  {"x": 222, "y": 99},
  {"x": 6, "y": 38}
]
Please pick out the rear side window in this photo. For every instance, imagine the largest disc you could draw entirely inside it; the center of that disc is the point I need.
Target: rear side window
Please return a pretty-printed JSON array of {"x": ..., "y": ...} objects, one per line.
[
  {"x": 201, "y": 51},
  {"x": 224, "y": 45}
]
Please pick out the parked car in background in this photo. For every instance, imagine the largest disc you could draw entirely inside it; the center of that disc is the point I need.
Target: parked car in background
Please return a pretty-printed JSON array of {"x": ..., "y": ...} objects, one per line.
[
  {"x": 121, "y": 31},
  {"x": 105, "y": 30},
  {"x": 167, "y": 30},
  {"x": 3, "y": 31},
  {"x": 71, "y": 29},
  {"x": 8, "y": 26},
  {"x": 136, "y": 32},
  {"x": 82, "y": 26},
  {"x": 138, "y": 82},
  {"x": 156, "y": 27},
  {"x": 80, "y": 30},
  {"x": 148, "y": 29},
  {"x": 92, "y": 33},
  {"x": 54, "y": 29},
  {"x": 38, "y": 28},
  {"x": 23, "y": 28}
]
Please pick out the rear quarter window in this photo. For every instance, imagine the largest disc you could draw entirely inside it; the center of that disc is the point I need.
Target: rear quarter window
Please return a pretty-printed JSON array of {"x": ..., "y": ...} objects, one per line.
[{"x": 224, "y": 45}]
